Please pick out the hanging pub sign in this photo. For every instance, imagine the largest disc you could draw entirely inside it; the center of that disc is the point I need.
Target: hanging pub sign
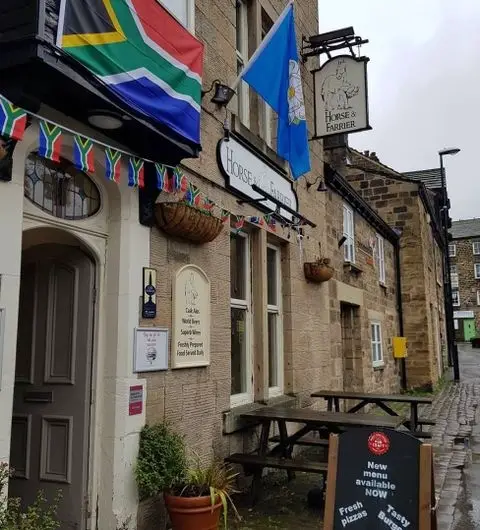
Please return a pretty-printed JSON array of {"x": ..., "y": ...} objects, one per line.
[
  {"x": 242, "y": 168},
  {"x": 341, "y": 96},
  {"x": 379, "y": 479}
]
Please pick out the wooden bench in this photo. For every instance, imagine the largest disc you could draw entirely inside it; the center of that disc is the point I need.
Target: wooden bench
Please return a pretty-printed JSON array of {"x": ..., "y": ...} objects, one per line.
[
  {"x": 307, "y": 440},
  {"x": 290, "y": 464}
]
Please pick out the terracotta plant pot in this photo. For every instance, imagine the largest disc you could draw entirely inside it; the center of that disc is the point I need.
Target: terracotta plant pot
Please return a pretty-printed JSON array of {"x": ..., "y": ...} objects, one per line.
[
  {"x": 193, "y": 513},
  {"x": 317, "y": 271},
  {"x": 181, "y": 220}
]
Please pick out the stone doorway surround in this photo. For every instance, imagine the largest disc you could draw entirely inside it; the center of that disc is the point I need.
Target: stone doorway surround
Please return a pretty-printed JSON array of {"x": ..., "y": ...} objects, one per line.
[{"x": 120, "y": 247}]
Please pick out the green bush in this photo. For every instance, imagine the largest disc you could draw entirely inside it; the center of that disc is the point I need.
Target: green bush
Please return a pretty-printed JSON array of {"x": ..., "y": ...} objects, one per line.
[
  {"x": 162, "y": 461},
  {"x": 38, "y": 516}
]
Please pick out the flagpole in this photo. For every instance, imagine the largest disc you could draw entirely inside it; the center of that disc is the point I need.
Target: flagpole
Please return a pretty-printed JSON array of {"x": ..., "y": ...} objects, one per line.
[{"x": 264, "y": 42}]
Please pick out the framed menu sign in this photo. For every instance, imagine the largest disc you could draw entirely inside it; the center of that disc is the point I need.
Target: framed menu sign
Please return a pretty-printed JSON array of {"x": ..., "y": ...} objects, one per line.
[
  {"x": 191, "y": 318},
  {"x": 378, "y": 480}
]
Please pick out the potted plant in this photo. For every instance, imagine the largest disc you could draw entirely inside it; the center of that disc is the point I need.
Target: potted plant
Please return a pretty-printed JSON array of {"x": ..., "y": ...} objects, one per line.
[
  {"x": 194, "y": 495},
  {"x": 320, "y": 270}
]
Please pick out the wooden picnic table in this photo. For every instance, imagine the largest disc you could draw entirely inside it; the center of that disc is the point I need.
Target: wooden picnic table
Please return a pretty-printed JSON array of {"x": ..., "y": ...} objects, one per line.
[
  {"x": 333, "y": 398},
  {"x": 280, "y": 456}
]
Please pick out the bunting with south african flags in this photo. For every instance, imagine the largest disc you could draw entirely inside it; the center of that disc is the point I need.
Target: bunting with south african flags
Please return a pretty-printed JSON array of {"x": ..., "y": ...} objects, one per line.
[
  {"x": 50, "y": 145},
  {"x": 83, "y": 155},
  {"x": 142, "y": 55},
  {"x": 13, "y": 120},
  {"x": 136, "y": 172},
  {"x": 112, "y": 164}
]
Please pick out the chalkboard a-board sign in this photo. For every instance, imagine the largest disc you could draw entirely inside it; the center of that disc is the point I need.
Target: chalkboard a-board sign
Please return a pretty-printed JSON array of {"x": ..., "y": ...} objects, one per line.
[{"x": 378, "y": 480}]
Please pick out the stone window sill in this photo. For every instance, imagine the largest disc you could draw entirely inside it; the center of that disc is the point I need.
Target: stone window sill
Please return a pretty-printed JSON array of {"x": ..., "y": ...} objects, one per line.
[
  {"x": 383, "y": 285},
  {"x": 351, "y": 267},
  {"x": 379, "y": 367},
  {"x": 233, "y": 422}
]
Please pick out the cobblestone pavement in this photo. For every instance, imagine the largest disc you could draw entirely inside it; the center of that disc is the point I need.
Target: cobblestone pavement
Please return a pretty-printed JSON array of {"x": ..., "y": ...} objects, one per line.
[{"x": 455, "y": 410}]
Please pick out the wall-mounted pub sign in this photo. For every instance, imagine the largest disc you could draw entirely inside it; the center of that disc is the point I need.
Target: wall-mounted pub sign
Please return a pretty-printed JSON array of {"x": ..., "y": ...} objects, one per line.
[
  {"x": 242, "y": 168},
  {"x": 341, "y": 96}
]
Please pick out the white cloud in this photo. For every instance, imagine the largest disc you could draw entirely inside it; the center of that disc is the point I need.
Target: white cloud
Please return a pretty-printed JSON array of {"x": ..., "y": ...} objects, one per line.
[{"x": 424, "y": 84}]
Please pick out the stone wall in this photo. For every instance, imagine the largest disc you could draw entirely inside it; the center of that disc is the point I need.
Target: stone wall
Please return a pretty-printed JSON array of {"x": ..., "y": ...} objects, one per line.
[
  {"x": 356, "y": 299},
  {"x": 398, "y": 201},
  {"x": 468, "y": 284}
]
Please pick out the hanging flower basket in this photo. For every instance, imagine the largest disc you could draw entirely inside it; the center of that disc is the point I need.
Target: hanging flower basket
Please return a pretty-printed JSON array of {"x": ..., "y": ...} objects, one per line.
[
  {"x": 182, "y": 220},
  {"x": 318, "y": 271}
]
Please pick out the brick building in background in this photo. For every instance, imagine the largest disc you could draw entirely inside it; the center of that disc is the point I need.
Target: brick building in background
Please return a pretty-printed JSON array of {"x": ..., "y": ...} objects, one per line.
[
  {"x": 464, "y": 250},
  {"x": 411, "y": 208}
]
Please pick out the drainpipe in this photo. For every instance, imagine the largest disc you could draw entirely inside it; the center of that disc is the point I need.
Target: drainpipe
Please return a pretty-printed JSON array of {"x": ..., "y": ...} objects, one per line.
[{"x": 403, "y": 363}]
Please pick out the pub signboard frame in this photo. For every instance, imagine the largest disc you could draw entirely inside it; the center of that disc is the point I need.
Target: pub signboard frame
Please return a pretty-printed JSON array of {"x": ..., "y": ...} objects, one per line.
[{"x": 379, "y": 479}]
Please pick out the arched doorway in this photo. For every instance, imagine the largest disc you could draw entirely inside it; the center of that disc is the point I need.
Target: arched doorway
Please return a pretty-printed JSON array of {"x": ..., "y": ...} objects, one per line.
[{"x": 51, "y": 409}]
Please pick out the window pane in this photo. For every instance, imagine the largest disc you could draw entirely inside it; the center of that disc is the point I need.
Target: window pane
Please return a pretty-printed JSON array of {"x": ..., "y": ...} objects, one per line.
[
  {"x": 239, "y": 351},
  {"x": 272, "y": 276},
  {"x": 272, "y": 350},
  {"x": 178, "y": 8},
  {"x": 238, "y": 274}
]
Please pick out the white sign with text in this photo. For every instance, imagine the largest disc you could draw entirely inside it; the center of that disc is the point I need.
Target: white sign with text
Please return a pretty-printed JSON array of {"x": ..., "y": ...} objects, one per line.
[
  {"x": 341, "y": 99},
  {"x": 191, "y": 318},
  {"x": 243, "y": 169}
]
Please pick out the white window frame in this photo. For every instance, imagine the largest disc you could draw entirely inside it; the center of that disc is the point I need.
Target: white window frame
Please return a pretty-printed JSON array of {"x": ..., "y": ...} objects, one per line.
[
  {"x": 376, "y": 341},
  {"x": 476, "y": 270},
  {"x": 266, "y": 112},
  {"x": 243, "y": 93},
  {"x": 246, "y": 397},
  {"x": 277, "y": 310},
  {"x": 478, "y": 297},
  {"x": 349, "y": 233},
  {"x": 190, "y": 22},
  {"x": 457, "y": 302},
  {"x": 452, "y": 250},
  {"x": 476, "y": 246},
  {"x": 380, "y": 257},
  {"x": 453, "y": 269}
]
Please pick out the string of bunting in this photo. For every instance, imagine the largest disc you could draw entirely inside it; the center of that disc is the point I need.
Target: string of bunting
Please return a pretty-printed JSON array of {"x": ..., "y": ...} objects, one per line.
[{"x": 13, "y": 122}]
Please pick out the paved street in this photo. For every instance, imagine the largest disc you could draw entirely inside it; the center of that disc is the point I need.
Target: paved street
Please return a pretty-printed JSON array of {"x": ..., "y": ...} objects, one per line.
[{"x": 456, "y": 440}]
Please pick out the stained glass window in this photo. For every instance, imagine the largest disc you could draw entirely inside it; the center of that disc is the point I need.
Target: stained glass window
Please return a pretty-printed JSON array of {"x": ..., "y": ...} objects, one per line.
[{"x": 60, "y": 189}]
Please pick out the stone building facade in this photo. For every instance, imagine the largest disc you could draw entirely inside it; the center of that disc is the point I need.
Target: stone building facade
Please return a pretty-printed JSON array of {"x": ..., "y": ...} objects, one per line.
[
  {"x": 269, "y": 335},
  {"x": 464, "y": 249},
  {"x": 410, "y": 208}
]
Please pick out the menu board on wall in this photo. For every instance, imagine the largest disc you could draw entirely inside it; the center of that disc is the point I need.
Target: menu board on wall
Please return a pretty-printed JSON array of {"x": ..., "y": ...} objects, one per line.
[{"x": 191, "y": 318}]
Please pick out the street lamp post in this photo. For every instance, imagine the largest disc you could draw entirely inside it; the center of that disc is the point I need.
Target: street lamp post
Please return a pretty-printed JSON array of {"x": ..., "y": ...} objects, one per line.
[{"x": 447, "y": 291}]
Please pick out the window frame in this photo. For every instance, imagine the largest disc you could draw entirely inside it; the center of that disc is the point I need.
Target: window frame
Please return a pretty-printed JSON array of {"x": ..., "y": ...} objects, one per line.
[
  {"x": 242, "y": 55},
  {"x": 380, "y": 361},
  {"x": 265, "y": 111},
  {"x": 457, "y": 304},
  {"x": 277, "y": 310},
  {"x": 349, "y": 245},
  {"x": 246, "y": 397},
  {"x": 478, "y": 297},
  {"x": 380, "y": 257},
  {"x": 476, "y": 271},
  {"x": 454, "y": 247},
  {"x": 473, "y": 248},
  {"x": 190, "y": 23}
]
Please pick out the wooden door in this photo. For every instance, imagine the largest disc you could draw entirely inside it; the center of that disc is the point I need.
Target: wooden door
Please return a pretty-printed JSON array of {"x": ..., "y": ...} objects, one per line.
[{"x": 50, "y": 425}]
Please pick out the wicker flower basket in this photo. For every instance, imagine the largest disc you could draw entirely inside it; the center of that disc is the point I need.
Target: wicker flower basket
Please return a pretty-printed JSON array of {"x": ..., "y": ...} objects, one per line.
[
  {"x": 318, "y": 271},
  {"x": 184, "y": 221}
]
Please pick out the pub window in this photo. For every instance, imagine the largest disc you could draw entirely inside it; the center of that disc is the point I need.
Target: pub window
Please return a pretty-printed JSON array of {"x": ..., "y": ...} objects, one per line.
[
  {"x": 477, "y": 270},
  {"x": 275, "y": 318},
  {"x": 243, "y": 105},
  {"x": 476, "y": 247},
  {"x": 455, "y": 298},
  {"x": 60, "y": 189},
  {"x": 182, "y": 10},
  {"x": 377, "y": 348},
  {"x": 240, "y": 311},
  {"x": 349, "y": 234},
  {"x": 380, "y": 258}
]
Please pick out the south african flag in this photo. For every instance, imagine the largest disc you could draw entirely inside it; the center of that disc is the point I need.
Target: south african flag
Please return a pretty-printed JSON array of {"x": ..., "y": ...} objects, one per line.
[{"x": 142, "y": 54}]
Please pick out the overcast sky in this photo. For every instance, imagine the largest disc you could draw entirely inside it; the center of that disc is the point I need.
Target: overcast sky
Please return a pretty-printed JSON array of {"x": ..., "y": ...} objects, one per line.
[{"x": 424, "y": 86}]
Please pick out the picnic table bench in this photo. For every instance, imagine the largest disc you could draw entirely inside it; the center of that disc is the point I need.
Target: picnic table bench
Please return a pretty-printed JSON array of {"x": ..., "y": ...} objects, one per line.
[
  {"x": 280, "y": 456},
  {"x": 414, "y": 423}
]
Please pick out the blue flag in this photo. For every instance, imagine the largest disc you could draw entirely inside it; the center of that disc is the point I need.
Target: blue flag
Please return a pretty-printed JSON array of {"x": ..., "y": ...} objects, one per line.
[{"x": 274, "y": 73}]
